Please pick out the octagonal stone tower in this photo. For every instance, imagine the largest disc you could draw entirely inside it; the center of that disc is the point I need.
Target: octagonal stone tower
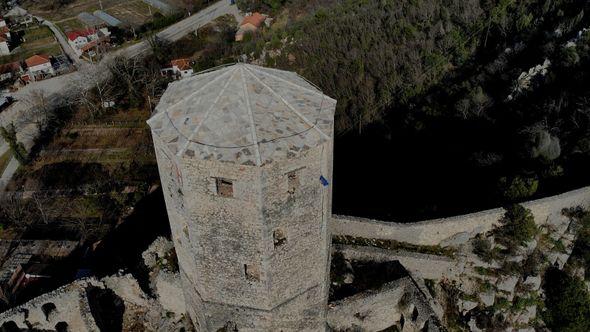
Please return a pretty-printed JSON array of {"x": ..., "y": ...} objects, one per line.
[{"x": 245, "y": 160}]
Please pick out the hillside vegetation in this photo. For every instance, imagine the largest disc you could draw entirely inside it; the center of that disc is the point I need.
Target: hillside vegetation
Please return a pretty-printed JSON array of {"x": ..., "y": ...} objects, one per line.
[{"x": 486, "y": 97}]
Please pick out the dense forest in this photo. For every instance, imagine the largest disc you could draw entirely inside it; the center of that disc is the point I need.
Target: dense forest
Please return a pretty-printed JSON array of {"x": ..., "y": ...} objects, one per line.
[{"x": 444, "y": 106}]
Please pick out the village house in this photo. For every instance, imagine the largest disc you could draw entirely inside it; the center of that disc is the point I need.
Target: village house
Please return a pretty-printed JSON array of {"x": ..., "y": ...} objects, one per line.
[
  {"x": 4, "y": 30},
  {"x": 250, "y": 24},
  {"x": 38, "y": 67},
  {"x": 4, "y": 37},
  {"x": 85, "y": 40},
  {"x": 179, "y": 68},
  {"x": 20, "y": 16}
]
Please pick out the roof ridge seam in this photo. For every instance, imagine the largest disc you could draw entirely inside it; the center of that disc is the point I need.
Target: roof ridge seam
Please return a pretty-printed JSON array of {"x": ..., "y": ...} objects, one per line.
[
  {"x": 197, "y": 91},
  {"x": 301, "y": 116},
  {"x": 251, "y": 118},
  {"x": 317, "y": 92},
  {"x": 194, "y": 133}
]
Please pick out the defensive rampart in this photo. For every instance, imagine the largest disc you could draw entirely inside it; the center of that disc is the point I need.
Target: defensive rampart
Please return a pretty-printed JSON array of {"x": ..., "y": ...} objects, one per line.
[{"x": 456, "y": 229}]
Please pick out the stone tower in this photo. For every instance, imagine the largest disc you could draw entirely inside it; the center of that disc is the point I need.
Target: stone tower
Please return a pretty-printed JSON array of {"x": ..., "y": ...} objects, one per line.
[{"x": 245, "y": 159}]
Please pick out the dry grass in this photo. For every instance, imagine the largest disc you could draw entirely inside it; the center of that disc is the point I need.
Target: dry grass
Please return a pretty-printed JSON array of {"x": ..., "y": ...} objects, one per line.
[
  {"x": 70, "y": 24},
  {"x": 42, "y": 8},
  {"x": 134, "y": 13},
  {"x": 118, "y": 137},
  {"x": 50, "y": 48}
]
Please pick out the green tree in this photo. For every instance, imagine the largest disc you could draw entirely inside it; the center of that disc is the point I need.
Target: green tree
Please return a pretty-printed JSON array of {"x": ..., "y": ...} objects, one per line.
[
  {"x": 517, "y": 227},
  {"x": 518, "y": 188},
  {"x": 18, "y": 149}
]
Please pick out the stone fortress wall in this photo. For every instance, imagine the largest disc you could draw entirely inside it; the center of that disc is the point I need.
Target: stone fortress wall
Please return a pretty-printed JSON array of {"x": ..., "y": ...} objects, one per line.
[
  {"x": 456, "y": 229},
  {"x": 383, "y": 307}
]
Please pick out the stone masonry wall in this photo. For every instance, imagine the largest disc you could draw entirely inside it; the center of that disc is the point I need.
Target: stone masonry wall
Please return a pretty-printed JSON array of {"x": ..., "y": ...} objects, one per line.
[
  {"x": 398, "y": 303},
  {"x": 447, "y": 231},
  {"x": 217, "y": 237}
]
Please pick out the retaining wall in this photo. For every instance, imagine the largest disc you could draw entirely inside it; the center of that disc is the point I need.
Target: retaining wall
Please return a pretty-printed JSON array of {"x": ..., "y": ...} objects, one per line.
[
  {"x": 457, "y": 229},
  {"x": 377, "y": 310},
  {"x": 424, "y": 265}
]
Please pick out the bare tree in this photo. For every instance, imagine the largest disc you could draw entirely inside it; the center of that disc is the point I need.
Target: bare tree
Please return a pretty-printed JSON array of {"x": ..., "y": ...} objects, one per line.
[
  {"x": 128, "y": 73},
  {"x": 93, "y": 88}
]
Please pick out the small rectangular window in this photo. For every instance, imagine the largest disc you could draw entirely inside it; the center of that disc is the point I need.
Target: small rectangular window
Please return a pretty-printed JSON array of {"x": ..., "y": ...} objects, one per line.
[
  {"x": 279, "y": 237},
  {"x": 252, "y": 272},
  {"x": 225, "y": 188},
  {"x": 293, "y": 181}
]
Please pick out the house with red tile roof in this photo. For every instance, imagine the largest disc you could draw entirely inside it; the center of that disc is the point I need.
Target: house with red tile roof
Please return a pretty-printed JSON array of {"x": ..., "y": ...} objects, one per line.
[
  {"x": 86, "y": 39},
  {"x": 39, "y": 66},
  {"x": 4, "y": 38},
  {"x": 179, "y": 68},
  {"x": 251, "y": 23}
]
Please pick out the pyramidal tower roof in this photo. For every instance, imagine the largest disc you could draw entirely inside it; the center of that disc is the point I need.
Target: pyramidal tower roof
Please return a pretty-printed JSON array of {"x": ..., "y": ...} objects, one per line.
[{"x": 243, "y": 114}]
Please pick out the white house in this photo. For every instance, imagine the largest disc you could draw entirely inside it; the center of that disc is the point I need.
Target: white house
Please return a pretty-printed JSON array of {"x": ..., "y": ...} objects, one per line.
[
  {"x": 84, "y": 40},
  {"x": 79, "y": 38},
  {"x": 39, "y": 67},
  {"x": 179, "y": 68}
]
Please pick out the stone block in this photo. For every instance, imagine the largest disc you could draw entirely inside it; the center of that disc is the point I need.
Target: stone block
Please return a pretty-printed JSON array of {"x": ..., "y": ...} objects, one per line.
[
  {"x": 534, "y": 282},
  {"x": 507, "y": 284},
  {"x": 487, "y": 298}
]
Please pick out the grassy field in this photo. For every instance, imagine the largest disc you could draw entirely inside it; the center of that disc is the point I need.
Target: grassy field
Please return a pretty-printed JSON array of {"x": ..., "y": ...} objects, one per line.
[
  {"x": 46, "y": 10},
  {"x": 70, "y": 24},
  {"x": 134, "y": 13},
  {"x": 4, "y": 160},
  {"x": 35, "y": 34},
  {"x": 112, "y": 142},
  {"x": 103, "y": 156}
]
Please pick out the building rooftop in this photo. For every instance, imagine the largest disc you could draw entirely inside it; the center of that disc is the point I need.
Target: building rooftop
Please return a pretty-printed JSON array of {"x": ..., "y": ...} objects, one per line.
[
  {"x": 182, "y": 64},
  {"x": 72, "y": 35},
  {"x": 243, "y": 114},
  {"x": 256, "y": 19},
  {"x": 37, "y": 59}
]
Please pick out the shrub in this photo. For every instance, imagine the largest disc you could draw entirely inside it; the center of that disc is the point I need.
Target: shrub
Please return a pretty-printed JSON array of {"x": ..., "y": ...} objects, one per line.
[
  {"x": 18, "y": 149},
  {"x": 517, "y": 227},
  {"x": 567, "y": 302},
  {"x": 518, "y": 188},
  {"x": 482, "y": 247}
]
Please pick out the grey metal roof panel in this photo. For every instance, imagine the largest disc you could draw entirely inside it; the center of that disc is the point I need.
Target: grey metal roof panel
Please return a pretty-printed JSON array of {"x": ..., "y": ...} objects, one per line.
[
  {"x": 110, "y": 20},
  {"x": 89, "y": 19}
]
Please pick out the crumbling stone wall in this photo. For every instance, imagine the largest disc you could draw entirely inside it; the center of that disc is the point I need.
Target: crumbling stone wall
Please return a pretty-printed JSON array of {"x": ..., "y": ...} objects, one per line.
[
  {"x": 72, "y": 306},
  {"x": 458, "y": 229},
  {"x": 399, "y": 303},
  {"x": 70, "y": 303}
]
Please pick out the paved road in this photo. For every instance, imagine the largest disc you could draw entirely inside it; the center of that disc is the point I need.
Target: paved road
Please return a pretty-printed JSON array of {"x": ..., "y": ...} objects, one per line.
[
  {"x": 186, "y": 26},
  {"x": 56, "y": 89}
]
